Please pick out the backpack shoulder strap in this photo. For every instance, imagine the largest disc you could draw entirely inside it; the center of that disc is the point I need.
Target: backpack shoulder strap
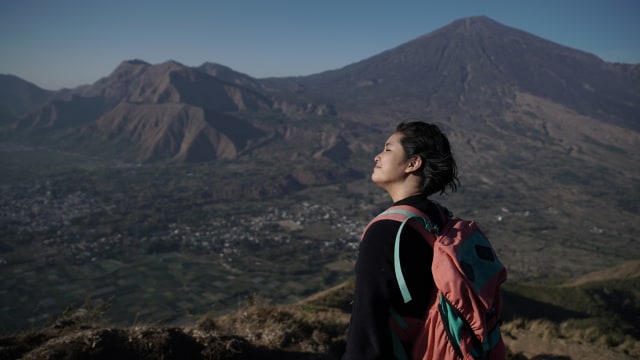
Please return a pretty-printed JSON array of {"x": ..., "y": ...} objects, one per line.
[{"x": 403, "y": 214}]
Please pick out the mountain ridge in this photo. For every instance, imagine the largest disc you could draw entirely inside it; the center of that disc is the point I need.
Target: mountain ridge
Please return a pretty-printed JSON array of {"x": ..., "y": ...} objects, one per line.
[{"x": 472, "y": 56}]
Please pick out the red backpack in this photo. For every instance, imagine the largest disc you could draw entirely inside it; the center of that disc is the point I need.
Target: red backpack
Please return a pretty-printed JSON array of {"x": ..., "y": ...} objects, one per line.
[{"x": 463, "y": 318}]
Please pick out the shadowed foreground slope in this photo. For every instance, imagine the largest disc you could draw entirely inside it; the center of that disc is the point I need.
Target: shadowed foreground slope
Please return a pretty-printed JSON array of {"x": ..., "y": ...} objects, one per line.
[{"x": 581, "y": 320}]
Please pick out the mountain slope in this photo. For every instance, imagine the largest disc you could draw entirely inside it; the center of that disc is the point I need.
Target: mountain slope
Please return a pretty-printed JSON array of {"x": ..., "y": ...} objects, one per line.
[
  {"x": 173, "y": 130},
  {"x": 62, "y": 114},
  {"x": 18, "y": 97}
]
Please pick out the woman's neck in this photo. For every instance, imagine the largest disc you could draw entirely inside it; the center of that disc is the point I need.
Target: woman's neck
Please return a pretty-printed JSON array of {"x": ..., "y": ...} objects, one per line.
[{"x": 403, "y": 193}]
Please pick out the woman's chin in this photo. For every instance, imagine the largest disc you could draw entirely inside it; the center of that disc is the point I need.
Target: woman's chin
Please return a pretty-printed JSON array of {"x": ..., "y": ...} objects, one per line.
[{"x": 375, "y": 179}]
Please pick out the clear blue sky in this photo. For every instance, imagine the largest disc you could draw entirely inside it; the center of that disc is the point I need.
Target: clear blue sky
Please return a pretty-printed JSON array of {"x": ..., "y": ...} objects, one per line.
[{"x": 66, "y": 43}]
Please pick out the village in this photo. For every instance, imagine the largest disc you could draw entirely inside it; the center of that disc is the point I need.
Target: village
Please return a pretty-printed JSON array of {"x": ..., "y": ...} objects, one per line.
[
  {"x": 36, "y": 210},
  {"x": 51, "y": 257}
]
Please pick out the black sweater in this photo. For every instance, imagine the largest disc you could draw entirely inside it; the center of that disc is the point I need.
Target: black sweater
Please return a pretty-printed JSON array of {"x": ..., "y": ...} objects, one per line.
[{"x": 376, "y": 289}]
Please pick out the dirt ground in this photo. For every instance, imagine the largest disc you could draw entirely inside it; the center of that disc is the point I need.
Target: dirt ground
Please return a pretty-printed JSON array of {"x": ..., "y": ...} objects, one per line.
[{"x": 532, "y": 346}]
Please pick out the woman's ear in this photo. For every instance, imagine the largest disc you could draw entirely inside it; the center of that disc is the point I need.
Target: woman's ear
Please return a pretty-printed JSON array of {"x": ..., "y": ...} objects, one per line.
[{"x": 414, "y": 164}]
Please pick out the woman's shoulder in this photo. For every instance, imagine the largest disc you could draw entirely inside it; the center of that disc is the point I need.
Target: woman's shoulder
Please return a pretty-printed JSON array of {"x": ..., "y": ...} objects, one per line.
[
  {"x": 435, "y": 212},
  {"x": 381, "y": 228}
]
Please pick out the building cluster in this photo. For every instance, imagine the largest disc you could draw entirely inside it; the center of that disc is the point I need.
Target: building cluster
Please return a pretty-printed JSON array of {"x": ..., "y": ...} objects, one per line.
[
  {"x": 38, "y": 210},
  {"x": 45, "y": 226}
]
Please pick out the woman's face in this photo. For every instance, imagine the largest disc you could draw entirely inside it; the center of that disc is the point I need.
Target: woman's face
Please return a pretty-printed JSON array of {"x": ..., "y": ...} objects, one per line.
[{"x": 391, "y": 163}]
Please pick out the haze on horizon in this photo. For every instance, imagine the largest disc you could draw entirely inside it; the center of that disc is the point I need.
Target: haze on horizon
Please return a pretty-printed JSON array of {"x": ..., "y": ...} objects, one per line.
[{"x": 75, "y": 42}]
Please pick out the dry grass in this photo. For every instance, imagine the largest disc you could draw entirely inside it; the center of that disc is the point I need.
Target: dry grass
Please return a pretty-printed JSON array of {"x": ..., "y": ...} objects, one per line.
[
  {"x": 568, "y": 332},
  {"x": 588, "y": 327},
  {"x": 626, "y": 270},
  {"x": 301, "y": 327},
  {"x": 257, "y": 330}
]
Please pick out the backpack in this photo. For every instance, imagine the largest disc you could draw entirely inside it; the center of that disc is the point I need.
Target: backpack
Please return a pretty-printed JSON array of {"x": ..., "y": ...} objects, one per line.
[{"x": 463, "y": 316}]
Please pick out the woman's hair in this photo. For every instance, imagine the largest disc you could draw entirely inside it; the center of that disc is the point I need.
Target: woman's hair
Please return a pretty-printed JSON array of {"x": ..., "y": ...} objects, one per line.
[{"x": 439, "y": 170}]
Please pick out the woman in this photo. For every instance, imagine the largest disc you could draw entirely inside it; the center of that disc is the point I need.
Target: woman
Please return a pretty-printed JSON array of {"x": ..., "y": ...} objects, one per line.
[{"x": 416, "y": 162}]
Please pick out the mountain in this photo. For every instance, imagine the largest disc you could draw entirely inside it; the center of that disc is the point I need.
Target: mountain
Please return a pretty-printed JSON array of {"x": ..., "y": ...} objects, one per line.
[
  {"x": 171, "y": 82},
  {"x": 164, "y": 111},
  {"x": 477, "y": 63},
  {"x": 167, "y": 111},
  {"x": 473, "y": 69}
]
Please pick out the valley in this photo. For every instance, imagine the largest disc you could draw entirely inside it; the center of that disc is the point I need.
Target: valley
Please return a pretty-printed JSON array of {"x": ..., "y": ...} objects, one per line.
[
  {"x": 157, "y": 244},
  {"x": 162, "y": 254}
]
